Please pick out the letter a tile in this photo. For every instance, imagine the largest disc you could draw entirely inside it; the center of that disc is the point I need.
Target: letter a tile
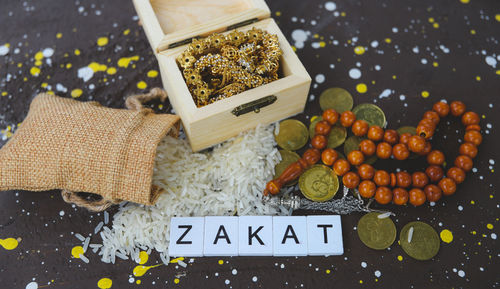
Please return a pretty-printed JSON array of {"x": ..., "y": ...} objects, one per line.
[
  {"x": 289, "y": 236},
  {"x": 221, "y": 236},
  {"x": 186, "y": 237},
  {"x": 256, "y": 236}
]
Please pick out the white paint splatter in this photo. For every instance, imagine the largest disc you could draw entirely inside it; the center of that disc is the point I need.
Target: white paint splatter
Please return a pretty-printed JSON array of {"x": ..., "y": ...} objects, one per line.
[
  {"x": 377, "y": 67},
  {"x": 363, "y": 264},
  {"x": 402, "y": 97},
  {"x": 491, "y": 161},
  {"x": 444, "y": 48},
  {"x": 227, "y": 281},
  {"x": 395, "y": 30},
  {"x": 4, "y": 50},
  {"x": 254, "y": 278},
  {"x": 61, "y": 213},
  {"x": 493, "y": 236},
  {"x": 315, "y": 45},
  {"x": 234, "y": 272},
  {"x": 378, "y": 274},
  {"x": 374, "y": 44},
  {"x": 32, "y": 285},
  {"x": 330, "y": 6},
  {"x": 491, "y": 61},
  {"x": 424, "y": 61},
  {"x": 61, "y": 88},
  {"x": 355, "y": 73},
  {"x": 415, "y": 49},
  {"x": 300, "y": 36},
  {"x": 385, "y": 93},
  {"x": 461, "y": 273},
  {"x": 48, "y": 52},
  {"x": 320, "y": 78},
  {"x": 85, "y": 73},
  {"x": 460, "y": 208}
]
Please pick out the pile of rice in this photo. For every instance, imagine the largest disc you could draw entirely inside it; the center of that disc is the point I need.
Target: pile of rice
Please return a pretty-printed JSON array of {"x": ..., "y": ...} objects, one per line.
[{"x": 226, "y": 181}]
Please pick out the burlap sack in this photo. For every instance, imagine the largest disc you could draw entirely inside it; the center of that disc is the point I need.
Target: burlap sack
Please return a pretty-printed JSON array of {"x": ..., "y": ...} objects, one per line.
[{"x": 85, "y": 147}]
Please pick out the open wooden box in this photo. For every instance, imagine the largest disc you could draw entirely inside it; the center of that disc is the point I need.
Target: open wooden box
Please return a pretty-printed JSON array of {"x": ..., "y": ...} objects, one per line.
[{"x": 170, "y": 25}]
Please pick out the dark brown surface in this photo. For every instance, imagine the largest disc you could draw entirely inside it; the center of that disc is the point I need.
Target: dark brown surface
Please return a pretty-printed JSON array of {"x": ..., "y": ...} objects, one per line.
[{"x": 44, "y": 254}]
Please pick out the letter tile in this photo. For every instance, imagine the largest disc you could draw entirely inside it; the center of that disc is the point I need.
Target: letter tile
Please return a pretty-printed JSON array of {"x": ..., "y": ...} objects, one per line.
[
  {"x": 289, "y": 236},
  {"x": 256, "y": 236},
  {"x": 186, "y": 237},
  {"x": 324, "y": 235},
  {"x": 221, "y": 236}
]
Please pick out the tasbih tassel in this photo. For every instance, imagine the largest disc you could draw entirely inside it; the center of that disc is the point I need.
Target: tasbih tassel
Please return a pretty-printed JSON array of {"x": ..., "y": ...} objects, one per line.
[{"x": 344, "y": 206}]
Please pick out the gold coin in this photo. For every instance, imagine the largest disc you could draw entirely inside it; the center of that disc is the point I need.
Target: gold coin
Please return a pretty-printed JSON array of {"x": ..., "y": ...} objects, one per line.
[
  {"x": 336, "y": 98},
  {"x": 407, "y": 129},
  {"x": 424, "y": 242},
  {"x": 287, "y": 158},
  {"x": 352, "y": 143},
  {"x": 376, "y": 233},
  {"x": 319, "y": 183},
  {"x": 370, "y": 113},
  {"x": 337, "y": 136},
  {"x": 292, "y": 135},
  {"x": 314, "y": 120}
]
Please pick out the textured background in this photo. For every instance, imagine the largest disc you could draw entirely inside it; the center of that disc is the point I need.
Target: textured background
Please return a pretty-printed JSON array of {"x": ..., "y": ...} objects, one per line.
[{"x": 448, "y": 49}]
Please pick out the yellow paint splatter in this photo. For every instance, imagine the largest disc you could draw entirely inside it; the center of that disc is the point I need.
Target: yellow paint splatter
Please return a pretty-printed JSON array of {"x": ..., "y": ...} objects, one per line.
[
  {"x": 143, "y": 257},
  {"x": 125, "y": 61},
  {"x": 361, "y": 88},
  {"x": 111, "y": 71},
  {"x": 176, "y": 280},
  {"x": 478, "y": 78},
  {"x": 138, "y": 282},
  {"x": 425, "y": 94},
  {"x": 472, "y": 202},
  {"x": 97, "y": 67},
  {"x": 44, "y": 84},
  {"x": 221, "y": 262},
  {"x": 104, "y": 283},
  {"x": 9, "y": 243},
  {"x": 39, "y": 55},
  {"x": 59, "y": 35},
  {"x": 497, "y": 17},
  {"x": 77, "y": 52},
  {"x": 322, "y": 44},
  {"x": 435, "y": 64},
  {"x": 142, "y": 85},
  {"x": 35, "y": 71},
  {"x": 359, "y": 50},
  {"x": 465, "y": 1},
  {"x": 278, "y": 13},
  {"x": 489, "y": 226},
  {"x": 446, "y": 235},
  {"x": 473, "y": 32},
  {"x": 152, "y": 73},
  {"x": 431, "y": 20},
  {"x": 77, "y": 92},
  {"x": 360, "y": 281},
  {"x": 394, "y": 77},
  {"x": 435, "y": 25},
  {"x": 343, "y": 14},
  {"x": 77, "y": 251},
  {"x": 388, "y": 40},
  {"x": 177, "y": 260},
  {"x": 126, "y": 32},
  {"x": 69, "y": 65},
  {"x": 141, "y": 269},
  {"x": 400, "y": 258},
  {"x": 328, "y": 271},
  {"x": 102, "y": 41}
]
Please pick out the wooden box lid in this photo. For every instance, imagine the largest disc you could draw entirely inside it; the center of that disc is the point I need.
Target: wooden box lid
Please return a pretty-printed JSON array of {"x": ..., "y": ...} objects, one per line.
[{"x": 171, "y": 23}]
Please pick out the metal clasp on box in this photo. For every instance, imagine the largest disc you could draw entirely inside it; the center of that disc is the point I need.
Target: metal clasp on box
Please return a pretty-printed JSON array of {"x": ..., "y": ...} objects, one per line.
[{"x": 254, "y": 106}]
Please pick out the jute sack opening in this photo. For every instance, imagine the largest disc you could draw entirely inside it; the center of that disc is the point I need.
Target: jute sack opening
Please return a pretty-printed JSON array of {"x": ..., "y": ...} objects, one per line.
[{"x": 85, "y": 147}]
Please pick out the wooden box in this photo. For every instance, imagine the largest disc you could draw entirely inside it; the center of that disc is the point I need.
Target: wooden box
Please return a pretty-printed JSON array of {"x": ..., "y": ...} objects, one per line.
[{"x": 170, "y": 25}]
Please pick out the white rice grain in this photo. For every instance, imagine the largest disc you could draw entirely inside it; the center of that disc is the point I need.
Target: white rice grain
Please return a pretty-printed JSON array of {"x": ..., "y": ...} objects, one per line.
[
  {"x": 182, "y": 264},
  {"x": 86, "y": 244},
  {"x": 98, "y": 227},
  {"x": 410, "y": 234},
  {"x": 84, "y": 259},
  {"x": 80, "y": 237}
]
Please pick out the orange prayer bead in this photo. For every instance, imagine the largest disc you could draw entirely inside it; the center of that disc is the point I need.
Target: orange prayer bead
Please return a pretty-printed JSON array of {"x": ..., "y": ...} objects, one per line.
[
  {"x": 366, "y": 171},
  {"x": 400, "y": 152},
  {"x": 329, "y": 156},
  {"x": 350, "y": 180},
  {"x": 456, "y": 174},
  {"x": 425, "y": 131},
  {"x": 441, "y": 108},
  {"x": 341, "y": 167},
  {"x": 319, "y": 141},
  {"x": 383, "y": 195},
  {"x": 375, "y": 133},
  {"x": 469, "y": 118},
  {"x": 448, "y": 186},
  {"x": 367, "y": 189},
  {"x": 391, "y": 136},
  {"x": 417, "y": 197},
  {"x": 435, "y": 173},
  {"x": 384, "y": 150},
  {"x": 400, "y": 196},
  {"x": 473, "y": 127},
  {"x": 473, "y": 136},
  {"x": 359, "y": 127},
  {"x": 468, "y": 149},
  {"x": 368, "y": 147},
  {"x": 322, "y": 128},
  {"x": 419, "y": 179},
  {"x": 331, "y": 116},
  {"x": 457, "y": 108},
  {"x": 311, "y": 156},
  {"x": 435, "y": 157},
  {"x": 403, "y": 179},
  {"x": 464, "y": 162},
  {"x": 416, "y": 144},
  {"x": 433, "y": 193},
  {"x": 347, "y": 118},
  {"x": 405, "y": 138},
  {"x": 382, "y": 178},
  {"x": 356, "y": 158},
  {"x": 433, "y": 116}
]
